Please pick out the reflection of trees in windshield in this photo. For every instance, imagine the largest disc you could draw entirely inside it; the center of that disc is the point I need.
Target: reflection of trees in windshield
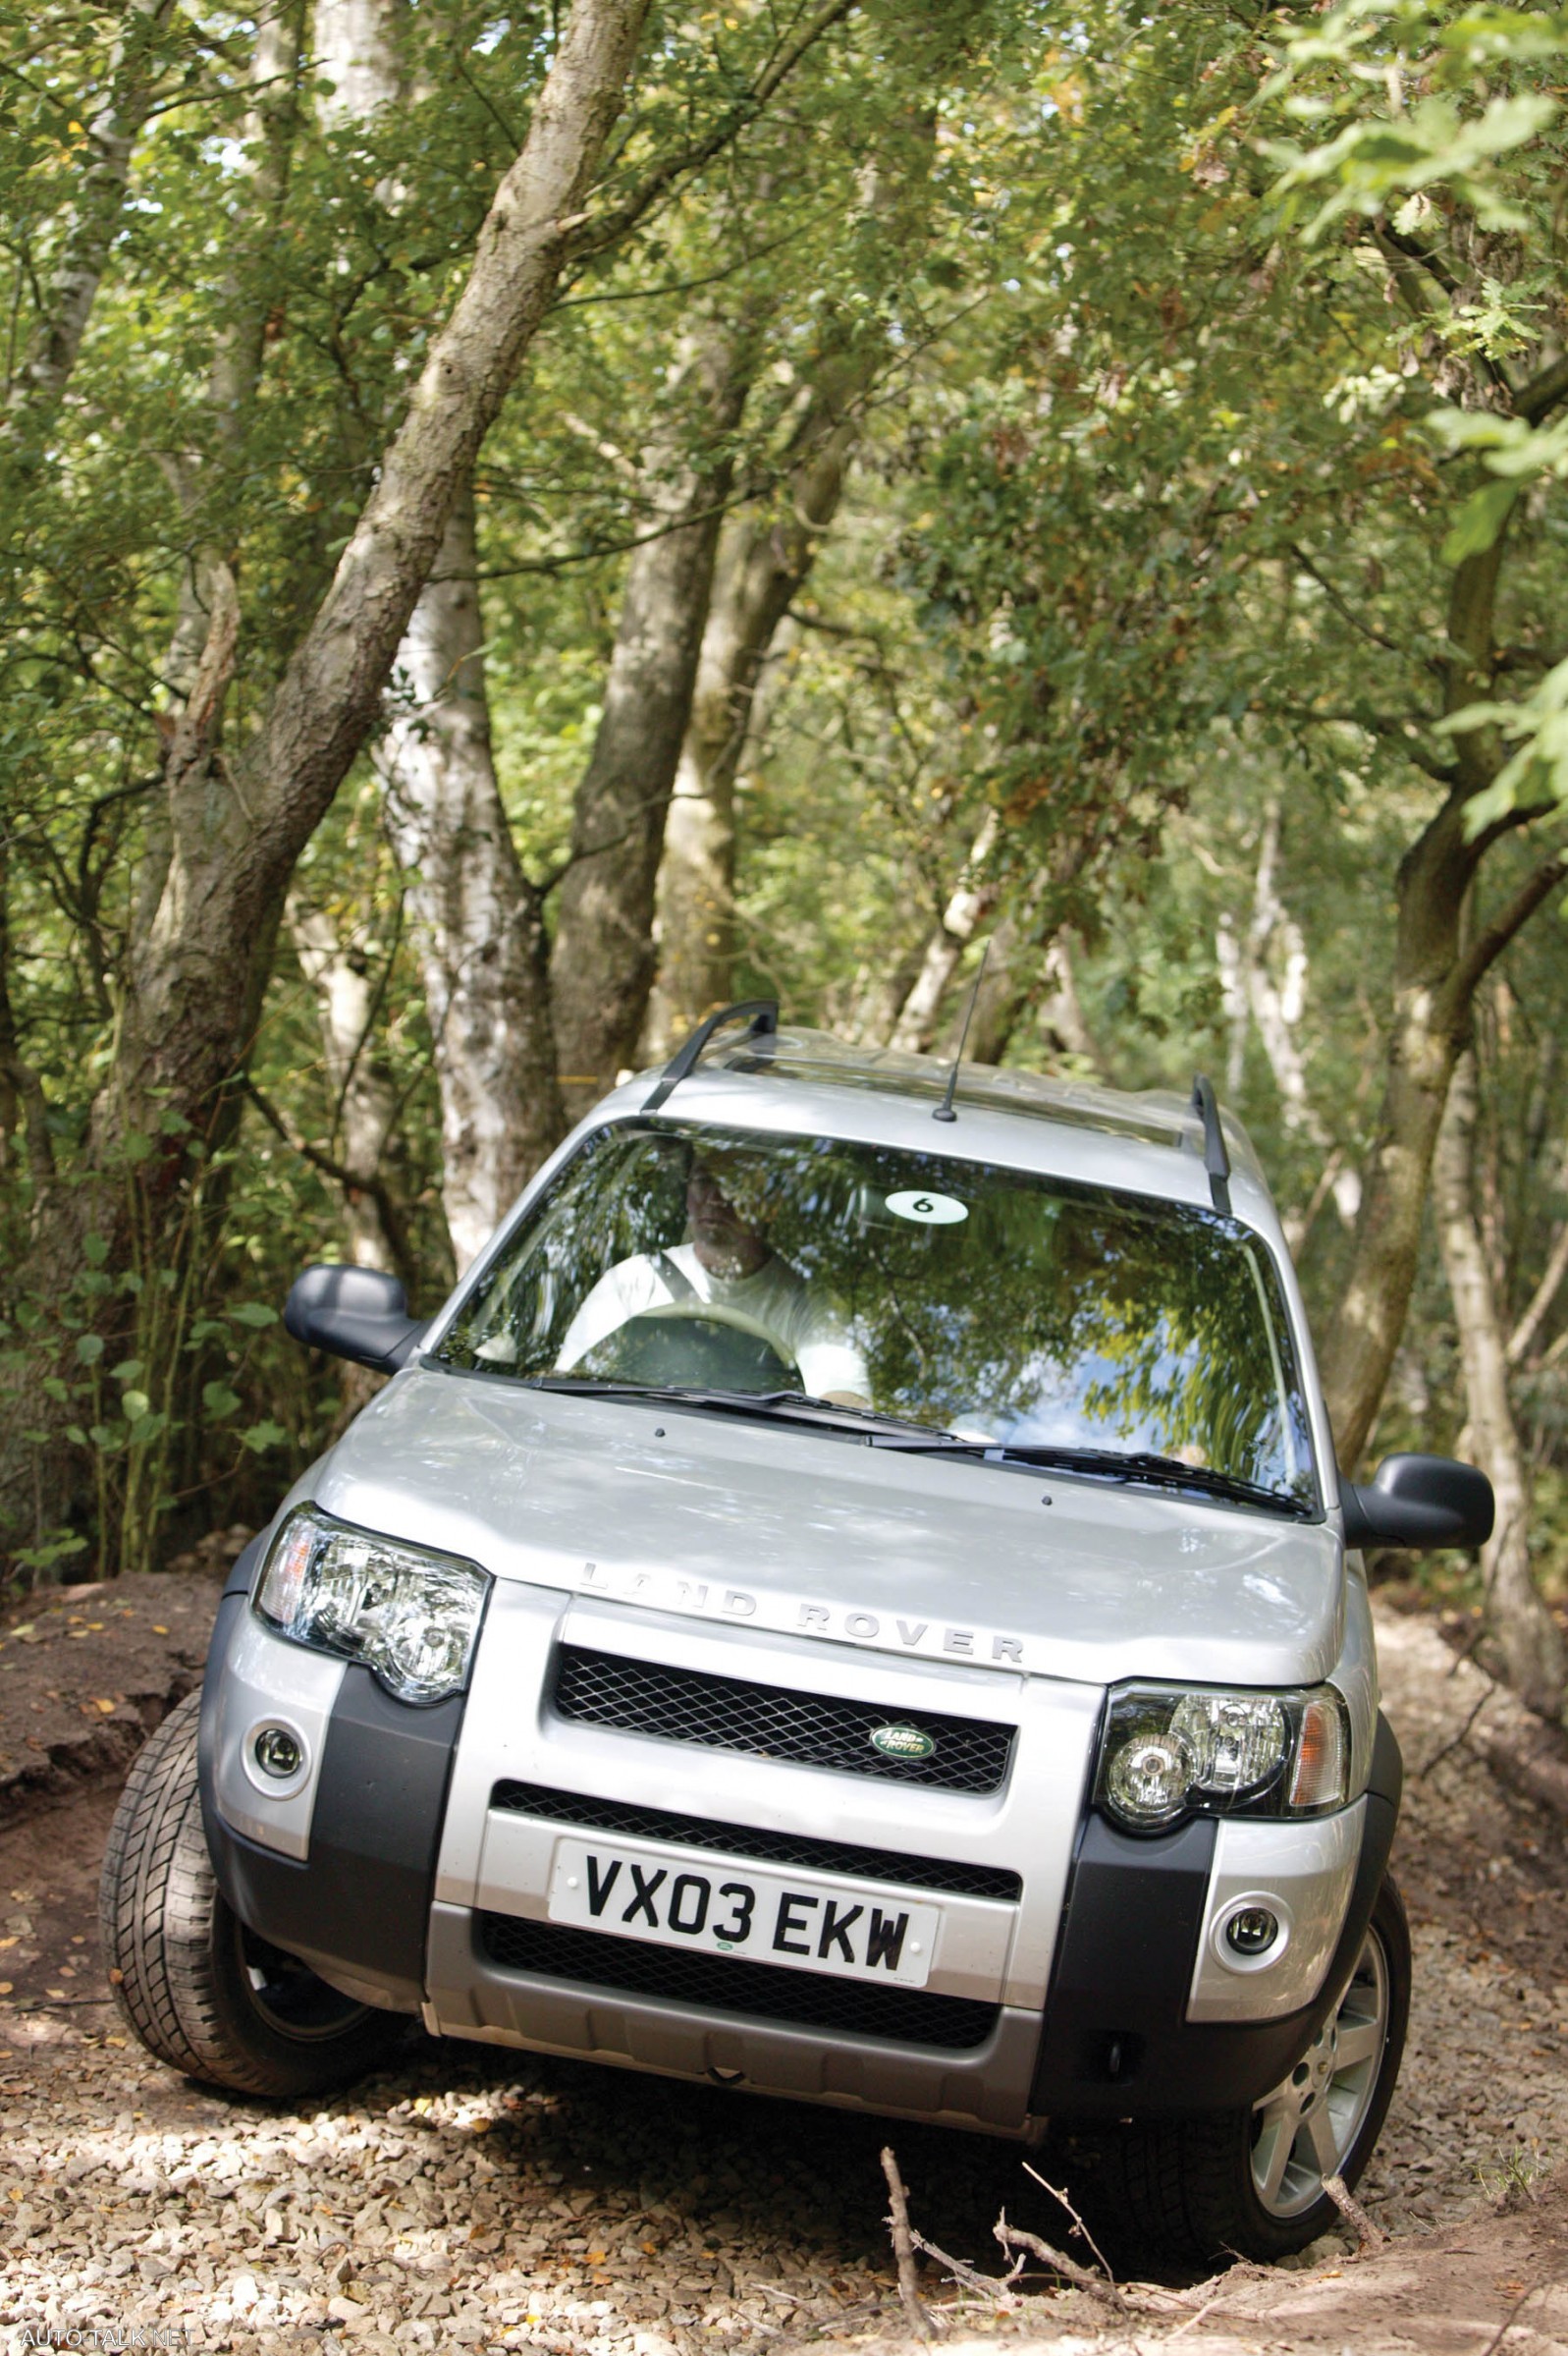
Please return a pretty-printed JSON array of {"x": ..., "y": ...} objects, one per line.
[
  {"x": 623, "y": 1193},
  {"x": 1048, "y": 1312}
]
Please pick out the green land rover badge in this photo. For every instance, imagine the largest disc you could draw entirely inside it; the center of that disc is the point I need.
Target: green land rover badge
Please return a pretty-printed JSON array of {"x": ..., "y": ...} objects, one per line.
[{"x": 901, "y": 1742}]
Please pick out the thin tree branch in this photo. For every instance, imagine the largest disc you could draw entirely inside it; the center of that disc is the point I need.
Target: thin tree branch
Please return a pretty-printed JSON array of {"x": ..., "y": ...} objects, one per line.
[
  {"x": 1389, "y": 726},
  {"x": 486, "y": 101},
  {"x": 693, "y": 286},
  {"x": 1540, "y": 1301},
  {"x": 591, "y": 556},
  {"x": 1393, "y": 242},
  {"x": 605, "y": 229},
  {"x": 556, "y": 875},
  {"x": 1543, "y": 393},
  {"x": 352, "y": 1181},
  {"x": 1490, "y": 944},
  {"x": 1342, "y": 606}
]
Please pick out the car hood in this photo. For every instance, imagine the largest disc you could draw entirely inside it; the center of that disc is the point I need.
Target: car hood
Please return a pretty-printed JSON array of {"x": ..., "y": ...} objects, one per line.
[{"x": 774, "y": 1525}]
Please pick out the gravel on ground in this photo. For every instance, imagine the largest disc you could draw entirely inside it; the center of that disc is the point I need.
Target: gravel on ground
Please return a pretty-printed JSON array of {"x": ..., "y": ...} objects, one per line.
[{"x": 480, "y": 2198}]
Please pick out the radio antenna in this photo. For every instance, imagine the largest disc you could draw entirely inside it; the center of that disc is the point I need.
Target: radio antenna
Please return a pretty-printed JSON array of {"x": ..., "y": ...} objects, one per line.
[{"x": 945, "y": 1111}]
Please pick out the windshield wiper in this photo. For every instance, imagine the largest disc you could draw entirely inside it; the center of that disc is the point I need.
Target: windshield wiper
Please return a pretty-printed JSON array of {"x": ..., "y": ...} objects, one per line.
[
  {"x": 1109, "y": 1464},
  {"x": 786, "y": 1406}
]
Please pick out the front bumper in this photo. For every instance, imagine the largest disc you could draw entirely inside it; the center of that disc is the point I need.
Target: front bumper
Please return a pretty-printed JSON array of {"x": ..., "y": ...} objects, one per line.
[{"x": 1078, "y": 1972}]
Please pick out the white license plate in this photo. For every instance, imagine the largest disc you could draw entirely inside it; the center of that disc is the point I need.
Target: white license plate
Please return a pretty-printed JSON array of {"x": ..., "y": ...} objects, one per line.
[{"x": 719, "y": 1909}]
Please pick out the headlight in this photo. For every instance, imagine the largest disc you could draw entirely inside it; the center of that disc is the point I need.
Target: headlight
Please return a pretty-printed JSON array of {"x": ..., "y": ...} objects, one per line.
[
  {"x": 1169, "y": 1753},
  {"x": 409, "y": 1616}
]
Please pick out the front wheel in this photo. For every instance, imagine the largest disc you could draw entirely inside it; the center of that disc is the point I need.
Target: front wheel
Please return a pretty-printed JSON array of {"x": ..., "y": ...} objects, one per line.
[
  {"x": 1250, "y": 2183},
  {"x": 201, "y": 1991}
]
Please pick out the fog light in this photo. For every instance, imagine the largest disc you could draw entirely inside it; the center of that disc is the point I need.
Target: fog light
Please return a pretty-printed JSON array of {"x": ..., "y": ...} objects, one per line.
[
  {"x": 1252, "y": 1931},
  {"x": 277, "y": 1753}
]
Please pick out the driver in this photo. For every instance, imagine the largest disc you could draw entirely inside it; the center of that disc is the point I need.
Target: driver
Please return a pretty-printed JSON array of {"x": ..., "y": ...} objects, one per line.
[{"x": 729, "y": 1267}]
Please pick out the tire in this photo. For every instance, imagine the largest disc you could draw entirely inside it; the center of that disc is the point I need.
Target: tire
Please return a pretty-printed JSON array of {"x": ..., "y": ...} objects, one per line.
[
  {"x": 199, "y": 1990},
  {"x": 1249, "y": 2183}
]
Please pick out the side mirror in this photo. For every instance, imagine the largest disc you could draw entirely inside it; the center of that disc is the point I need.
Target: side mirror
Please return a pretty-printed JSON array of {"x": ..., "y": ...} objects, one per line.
[
  {"x": 357, "y": 1313},
  {"x": 1419, "y": 1501}
]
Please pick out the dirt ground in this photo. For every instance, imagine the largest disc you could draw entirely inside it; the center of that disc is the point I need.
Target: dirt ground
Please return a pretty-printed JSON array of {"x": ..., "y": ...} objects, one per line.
[
  {"x": 86, "y": 1675},
  {"x": 481, "y": 2199}
]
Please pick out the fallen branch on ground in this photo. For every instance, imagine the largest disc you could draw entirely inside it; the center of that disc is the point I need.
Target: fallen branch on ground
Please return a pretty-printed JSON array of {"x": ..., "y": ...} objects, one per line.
[
  {"x": 994, "y": 2286},
  {"x": 1082, "y": 2278},
  {"x": 904, "y": 2247},
  {"x": 1369, "y": 2237},
  {"x": 1144, "y": 2300},
  {"x": 1061, "y": 2199}
]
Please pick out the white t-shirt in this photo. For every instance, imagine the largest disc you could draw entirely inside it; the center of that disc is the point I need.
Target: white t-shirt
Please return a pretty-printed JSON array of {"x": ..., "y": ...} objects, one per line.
[{"x": 774, "y": 1303}]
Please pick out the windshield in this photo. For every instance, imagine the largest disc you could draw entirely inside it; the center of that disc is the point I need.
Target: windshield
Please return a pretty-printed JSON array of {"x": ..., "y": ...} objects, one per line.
[{"x": 996, "y": 1304}]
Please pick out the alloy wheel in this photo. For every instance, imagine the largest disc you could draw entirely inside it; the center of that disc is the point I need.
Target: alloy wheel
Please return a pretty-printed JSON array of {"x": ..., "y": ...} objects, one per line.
[{"x": 1306, "y": 2129}]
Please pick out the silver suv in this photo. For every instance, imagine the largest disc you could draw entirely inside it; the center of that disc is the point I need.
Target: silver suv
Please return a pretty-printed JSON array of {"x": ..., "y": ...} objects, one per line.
[{"x": 850, "y": 1599}]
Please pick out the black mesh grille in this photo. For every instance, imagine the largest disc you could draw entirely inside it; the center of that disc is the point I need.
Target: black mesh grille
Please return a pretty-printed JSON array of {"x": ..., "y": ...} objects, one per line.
[
  {"x": 726, "y": 1984},
  {"x": 809, "y": 1729},
  {"x": 749, "y": 1840}
]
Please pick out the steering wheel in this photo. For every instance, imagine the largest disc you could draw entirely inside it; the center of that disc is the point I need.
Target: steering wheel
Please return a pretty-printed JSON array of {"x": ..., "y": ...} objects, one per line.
[{"x": 700, "y": 1351}]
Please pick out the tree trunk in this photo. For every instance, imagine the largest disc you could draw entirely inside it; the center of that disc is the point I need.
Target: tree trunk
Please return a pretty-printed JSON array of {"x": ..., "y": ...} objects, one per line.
[
  {"x": 1435, "y": 977},
  {"x": 763, "y": 563},
  {"x": 1021, "y": 948},
  {"x": 91, "y": 229},
  {"x": 237, "y": 823},
  {"x": 354, "y": 53},
  {"x": 602, "y": 966},
  {"x": 1062, "y": 1017},
  {"x": 477, "y": 921},
  {"x": 972, "y": 899},
  {"x": 1002, "y": 992},
  {"x": 239, "y": 826},
  {"x": 478, "y": 925},
  {"x": 1522, "y": 1340},
  {"x": 364, "y": 1096},
  {"x": 1429, "y": 1029},
  {"x": 266, "y": 140},
  {"x": 1526, "y": 1632},
  {"x": 1274, "y": 1003}
]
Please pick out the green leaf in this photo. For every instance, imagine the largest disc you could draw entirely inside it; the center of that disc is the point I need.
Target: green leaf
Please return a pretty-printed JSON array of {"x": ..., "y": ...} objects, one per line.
[
  {"x": 95, "y": 1250},
  {"x": 219, "y": 1399},
  {"x": 1539, "y": 726},
  {"x": 262, "y": 1436},
  {"x": 254, "y": 1313},
  {"x": 136, "y": 1404},
  {"x": 1478, "y": 521},
  {"x": 89, "y": 1348},
  {"x": 127, "y": 1371}
]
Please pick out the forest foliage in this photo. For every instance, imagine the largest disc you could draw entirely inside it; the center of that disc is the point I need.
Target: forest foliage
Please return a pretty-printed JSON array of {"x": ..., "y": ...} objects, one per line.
[{"x": 929, "y": 473}]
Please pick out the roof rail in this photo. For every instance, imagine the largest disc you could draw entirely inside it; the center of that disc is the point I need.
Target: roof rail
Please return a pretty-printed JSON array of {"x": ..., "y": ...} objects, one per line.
[
  {"x": 1215, "y": 1153},
  {"x": 761, "y": 1016}
]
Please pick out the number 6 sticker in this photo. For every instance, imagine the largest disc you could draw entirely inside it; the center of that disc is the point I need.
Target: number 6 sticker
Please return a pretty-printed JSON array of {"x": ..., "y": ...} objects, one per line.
[{"x": 927, "y": 1210}]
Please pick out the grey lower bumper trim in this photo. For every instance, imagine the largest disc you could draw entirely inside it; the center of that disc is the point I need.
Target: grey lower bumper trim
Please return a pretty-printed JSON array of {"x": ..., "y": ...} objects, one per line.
[{"x": 471, "y": 1996}]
